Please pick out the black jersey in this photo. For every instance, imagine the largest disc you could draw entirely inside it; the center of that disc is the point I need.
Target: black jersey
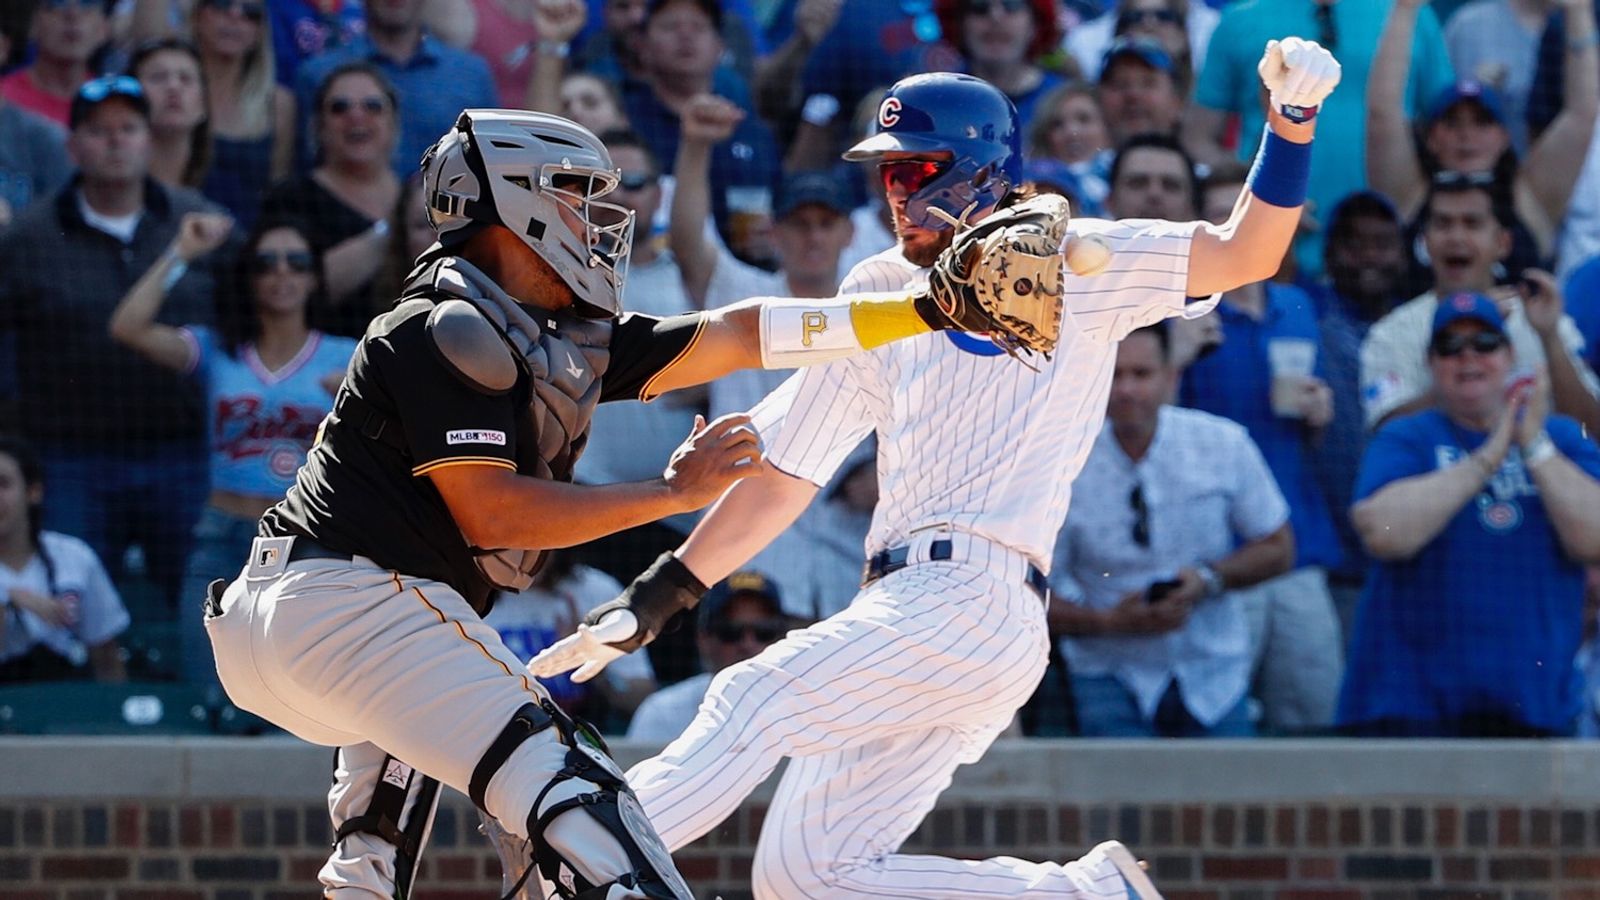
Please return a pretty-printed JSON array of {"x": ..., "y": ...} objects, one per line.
[{"x": 365, "y": 497}]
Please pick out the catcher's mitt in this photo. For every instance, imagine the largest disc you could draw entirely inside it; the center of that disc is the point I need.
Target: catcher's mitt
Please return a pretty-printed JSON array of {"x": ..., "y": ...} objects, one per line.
[{"x": 1003, "y": 275}]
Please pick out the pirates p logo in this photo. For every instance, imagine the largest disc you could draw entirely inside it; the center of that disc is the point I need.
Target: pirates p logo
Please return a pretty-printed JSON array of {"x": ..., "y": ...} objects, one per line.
[{"x": 889, "y": 112}]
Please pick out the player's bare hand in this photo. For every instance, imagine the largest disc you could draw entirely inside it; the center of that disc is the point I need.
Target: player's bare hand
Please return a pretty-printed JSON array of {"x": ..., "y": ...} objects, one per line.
[
  {"x": 709, "y": 119},
  {"x": 1135, "y": 614},
  {"x": 589, "y": 649},
  {"x": 1542, "y": 301},
  {"x": 200, "y": 233},
  {"x": 559, "y": 20},
  {"x": 53, "y": 610},
  {"x": 1298, "y": 72},
  {"x": 712, "y": 459},
  {"x": 813, "y": 19}
]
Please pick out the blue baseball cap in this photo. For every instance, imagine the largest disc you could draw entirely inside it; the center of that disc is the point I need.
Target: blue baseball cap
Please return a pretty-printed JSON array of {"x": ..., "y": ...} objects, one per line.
[
  {"x": 1473, "y": 91},
  {"x": 811, "y": 188},
  {"x": 96, "y": 91},
  {"x": 1467, "y": 305},
  {"x": 1146, "y": 50},
  {"x": 743, "y": 583}
]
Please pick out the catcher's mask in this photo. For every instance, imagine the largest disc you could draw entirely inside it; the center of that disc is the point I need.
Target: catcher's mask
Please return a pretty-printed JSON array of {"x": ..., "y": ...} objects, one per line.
[
  {"x": 517, "y": 169},
  {"x": 948, "y": 111}
]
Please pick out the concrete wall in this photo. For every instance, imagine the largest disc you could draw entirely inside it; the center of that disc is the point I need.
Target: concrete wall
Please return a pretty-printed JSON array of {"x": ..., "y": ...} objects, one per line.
[{"x": 139, "y": 819}]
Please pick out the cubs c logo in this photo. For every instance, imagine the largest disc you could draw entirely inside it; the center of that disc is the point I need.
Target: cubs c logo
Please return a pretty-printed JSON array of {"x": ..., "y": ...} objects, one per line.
[{"x": 889, "y": 112}]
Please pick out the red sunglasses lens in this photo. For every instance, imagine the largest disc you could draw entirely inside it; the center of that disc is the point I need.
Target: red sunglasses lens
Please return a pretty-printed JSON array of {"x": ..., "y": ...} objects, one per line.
[{"x": 909, "y": 175}]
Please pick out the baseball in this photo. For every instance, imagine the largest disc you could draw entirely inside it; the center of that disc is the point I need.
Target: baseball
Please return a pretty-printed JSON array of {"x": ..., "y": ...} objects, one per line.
[{"x": 1087, "y": 256}]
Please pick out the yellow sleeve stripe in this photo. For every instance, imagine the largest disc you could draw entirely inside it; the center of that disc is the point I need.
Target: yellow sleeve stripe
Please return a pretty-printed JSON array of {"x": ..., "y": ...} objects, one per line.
[
  {"x": 648, "y": 393},
  {"x": 427, "y": 467}
]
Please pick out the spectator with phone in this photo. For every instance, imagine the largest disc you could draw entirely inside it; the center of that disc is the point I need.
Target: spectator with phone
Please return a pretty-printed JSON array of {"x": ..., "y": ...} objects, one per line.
[
  {"x": 1175, "y": 511},
  {"x": 1467, "y": 232},
  {"x": 1481, "y": 513}
]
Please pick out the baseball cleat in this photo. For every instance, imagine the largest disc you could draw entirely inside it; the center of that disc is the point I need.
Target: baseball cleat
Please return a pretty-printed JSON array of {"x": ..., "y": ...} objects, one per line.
[{"x": 1134, "y": 879}]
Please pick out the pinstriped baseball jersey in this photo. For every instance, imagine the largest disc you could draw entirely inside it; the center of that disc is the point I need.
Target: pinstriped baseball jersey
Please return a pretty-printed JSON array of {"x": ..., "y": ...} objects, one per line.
[{"x": 980, "y": 443}]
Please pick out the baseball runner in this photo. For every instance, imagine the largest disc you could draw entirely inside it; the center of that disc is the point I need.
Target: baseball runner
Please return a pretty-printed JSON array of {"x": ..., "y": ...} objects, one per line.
[
  {"x": 439, "y": 477},
  {"x": 876, "y": 706}
]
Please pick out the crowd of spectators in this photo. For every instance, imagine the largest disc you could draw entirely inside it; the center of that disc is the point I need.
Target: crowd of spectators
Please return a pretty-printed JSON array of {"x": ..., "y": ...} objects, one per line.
[{"x": 1362, "y": 496}]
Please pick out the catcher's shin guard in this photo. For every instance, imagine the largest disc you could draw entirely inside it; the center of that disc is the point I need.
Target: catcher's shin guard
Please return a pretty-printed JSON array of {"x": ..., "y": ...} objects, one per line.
[
  {"x": 608, "y": 851},
  {"x": 399, "y": 814}
]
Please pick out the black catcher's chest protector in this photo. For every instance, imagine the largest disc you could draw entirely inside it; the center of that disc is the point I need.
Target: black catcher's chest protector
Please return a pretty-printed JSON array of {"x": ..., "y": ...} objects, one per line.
[{"x": 487, "y": 338}]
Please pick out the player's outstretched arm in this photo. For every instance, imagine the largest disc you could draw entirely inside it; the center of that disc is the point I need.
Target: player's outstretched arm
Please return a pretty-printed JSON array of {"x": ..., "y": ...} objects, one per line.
[
  {"x": 744, "y": 521},
  {"x": 1299, "y": 75}
]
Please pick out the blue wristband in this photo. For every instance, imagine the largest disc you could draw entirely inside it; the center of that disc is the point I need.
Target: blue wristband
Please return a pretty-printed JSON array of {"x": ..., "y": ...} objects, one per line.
[{"x": 1282, "y": 171}]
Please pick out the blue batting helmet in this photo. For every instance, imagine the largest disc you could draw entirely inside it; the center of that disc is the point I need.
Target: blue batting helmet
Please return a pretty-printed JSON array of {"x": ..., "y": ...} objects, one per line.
[{"x": 947, "y": 111}]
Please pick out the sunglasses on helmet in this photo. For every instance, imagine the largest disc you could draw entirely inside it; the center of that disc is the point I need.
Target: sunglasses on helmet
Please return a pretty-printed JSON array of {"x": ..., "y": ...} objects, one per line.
[
  {"x": 909, "y": 175},
  {"x": 1454, "y": 343}
]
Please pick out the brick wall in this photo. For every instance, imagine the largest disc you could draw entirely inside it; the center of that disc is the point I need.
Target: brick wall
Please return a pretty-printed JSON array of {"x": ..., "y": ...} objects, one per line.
[{"x": 1341, "y": 845}]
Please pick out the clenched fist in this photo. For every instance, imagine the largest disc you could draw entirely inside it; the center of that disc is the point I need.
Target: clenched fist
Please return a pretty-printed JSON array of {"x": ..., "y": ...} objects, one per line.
[{"x": 1298, "y": 72}]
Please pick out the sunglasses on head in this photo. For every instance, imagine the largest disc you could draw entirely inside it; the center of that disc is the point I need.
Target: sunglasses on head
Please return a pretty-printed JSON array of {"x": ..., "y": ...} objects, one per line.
[
  {"x": 763, "y": 632},
  {"x": 1141, "y": 516},
  {"x": 101, "y": 88},
  {"x": 268, "y": 261},
  {"x": 338, "y": 106},
  {"x": 253, "y": 10},
  {"x": 982, "y": 7},
  {"x": 1140, "y": 16},
  {"x": 1452, "y": 343},
  {"x": 909, "y": 174}
]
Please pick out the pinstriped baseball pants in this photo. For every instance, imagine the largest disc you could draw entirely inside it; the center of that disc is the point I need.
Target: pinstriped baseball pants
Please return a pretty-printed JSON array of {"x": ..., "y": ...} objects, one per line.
[{"x": 875, "y": 707}]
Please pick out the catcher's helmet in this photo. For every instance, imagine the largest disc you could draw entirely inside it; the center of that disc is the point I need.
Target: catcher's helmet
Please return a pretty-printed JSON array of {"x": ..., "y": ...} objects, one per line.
[
  {"x": 517, "y": 168},
  {"x": 946, "y": 111}
]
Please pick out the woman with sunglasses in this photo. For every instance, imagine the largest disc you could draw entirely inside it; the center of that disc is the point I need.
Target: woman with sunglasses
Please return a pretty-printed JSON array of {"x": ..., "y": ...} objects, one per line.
[
  {"x": 1481, "y": 513},
  {"x": 269, "y": 379},
  {"x": 251, "y": 116},
  {"x": 346, "y": 199},
  {"x": 1002, "y": 41},
  {"x": 180, "y": 131},
  {"x": 1183, "y": 27},
  {"x": 1465, "y": 131}
]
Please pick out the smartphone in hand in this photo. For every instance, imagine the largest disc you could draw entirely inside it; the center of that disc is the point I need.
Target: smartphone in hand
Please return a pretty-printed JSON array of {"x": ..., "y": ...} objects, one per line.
[{"x": 1160, "y": 589}]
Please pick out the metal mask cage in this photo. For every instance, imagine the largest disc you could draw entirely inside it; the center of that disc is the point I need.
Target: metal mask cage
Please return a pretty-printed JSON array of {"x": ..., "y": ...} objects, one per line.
[{"x": 609, "y": 243}]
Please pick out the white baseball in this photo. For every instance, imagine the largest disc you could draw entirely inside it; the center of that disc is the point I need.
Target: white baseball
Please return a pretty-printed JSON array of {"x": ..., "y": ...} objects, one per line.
[{"x": 1087, "y": 255}]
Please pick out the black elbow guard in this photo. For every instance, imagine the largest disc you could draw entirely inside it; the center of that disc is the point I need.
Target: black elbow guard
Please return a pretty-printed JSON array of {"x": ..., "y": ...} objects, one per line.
[{"x": 663, "y": 589}]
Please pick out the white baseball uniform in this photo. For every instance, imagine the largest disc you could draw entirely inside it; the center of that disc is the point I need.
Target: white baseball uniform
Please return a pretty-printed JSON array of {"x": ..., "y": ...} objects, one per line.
[{"x": 877, "y": 705}]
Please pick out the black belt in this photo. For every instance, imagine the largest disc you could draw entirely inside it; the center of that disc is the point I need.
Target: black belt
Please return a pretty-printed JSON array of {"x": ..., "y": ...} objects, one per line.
[
  {"x": 306, "y": 548},
  {"x": 896, "y": 558}
]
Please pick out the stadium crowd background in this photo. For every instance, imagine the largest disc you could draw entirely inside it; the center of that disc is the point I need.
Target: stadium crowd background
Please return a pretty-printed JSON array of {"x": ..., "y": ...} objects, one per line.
[{"x": 205, "y": 201}]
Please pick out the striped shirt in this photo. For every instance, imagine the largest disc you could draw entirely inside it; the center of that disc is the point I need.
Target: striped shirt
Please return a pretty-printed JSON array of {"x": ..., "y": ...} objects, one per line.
[{"x": 975, "y": 442}]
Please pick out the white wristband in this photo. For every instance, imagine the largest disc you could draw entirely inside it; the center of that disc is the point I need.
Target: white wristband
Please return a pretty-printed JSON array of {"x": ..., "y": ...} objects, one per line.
[
  {"x": 1539, "y": 450},
  {"x": 175, "y": 273},
  {"x": 806, "y": 332}
]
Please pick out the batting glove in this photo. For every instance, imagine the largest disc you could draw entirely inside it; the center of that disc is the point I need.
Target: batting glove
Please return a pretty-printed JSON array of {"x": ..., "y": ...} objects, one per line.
[
  {"x": 589, "y": 650},
  {"x": 1299, "y": 74}
]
